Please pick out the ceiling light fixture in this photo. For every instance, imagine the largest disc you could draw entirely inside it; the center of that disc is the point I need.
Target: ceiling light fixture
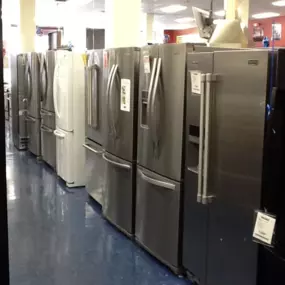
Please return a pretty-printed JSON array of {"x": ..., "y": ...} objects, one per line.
[
  {"x": 184, "y": 20},
  {"x": 279, "y": 3},
  {"x": 265, "y": 15},
  {"x": 173, "y": 8},
  {"x": 220, "y": 13}
]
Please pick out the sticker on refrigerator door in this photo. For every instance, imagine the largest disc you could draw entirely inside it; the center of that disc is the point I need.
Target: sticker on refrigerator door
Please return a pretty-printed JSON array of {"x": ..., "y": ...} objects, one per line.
[
  {"x": 196, "y": 82},
  {"x": 146, "y": 64},
  {"x": 105, "y": 59},
  {"x": 264, "y": 228},
  {"x": 125, "y": 95}
]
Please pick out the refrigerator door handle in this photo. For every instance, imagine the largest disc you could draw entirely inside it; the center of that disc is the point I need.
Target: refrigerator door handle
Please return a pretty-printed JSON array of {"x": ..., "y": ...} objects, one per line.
[
  {"x": 55, "y": 88},
  {"x": 46, "y": 113},
  {"x": 108, "y": 93},
  {"x": 29, "y": 82},
  {"x": 92, "y": 149},
  {"x": 156, "y": 182},
  {"x": 150, "y": 90},
  {"x": 115, "y": 74},
  {"x": 206, "y": 196},
  {"x": 58, "y": 134},
  {"x": 44, "y": 86},
  {"x": 121, "y": 165},
  {"x": 201, "y": 139},
  {"x": 30, "y": 119},
  {"x": 46, "y": 130}
]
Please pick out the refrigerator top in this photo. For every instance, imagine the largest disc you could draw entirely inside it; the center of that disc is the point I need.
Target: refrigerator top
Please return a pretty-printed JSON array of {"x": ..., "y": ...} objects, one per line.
[{"x": 124, "y": 48}]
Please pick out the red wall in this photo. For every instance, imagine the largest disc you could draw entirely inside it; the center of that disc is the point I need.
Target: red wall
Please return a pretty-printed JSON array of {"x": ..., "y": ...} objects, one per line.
[{"x": 266, "y": 24}]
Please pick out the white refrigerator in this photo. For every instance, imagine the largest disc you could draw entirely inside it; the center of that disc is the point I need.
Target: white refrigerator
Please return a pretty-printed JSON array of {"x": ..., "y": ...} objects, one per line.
[{"x": 69, "y": 104}]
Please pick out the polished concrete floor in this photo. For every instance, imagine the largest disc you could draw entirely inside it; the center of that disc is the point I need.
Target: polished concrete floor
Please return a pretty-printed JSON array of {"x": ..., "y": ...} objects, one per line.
[{"x": 58, "y": 237}]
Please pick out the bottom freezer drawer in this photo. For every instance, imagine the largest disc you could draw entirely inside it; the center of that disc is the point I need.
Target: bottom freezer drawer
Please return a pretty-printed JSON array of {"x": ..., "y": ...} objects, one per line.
[
  {"x": 158, "y": 215},
  {"x": 95, "y": 167},
  {"x": 48, "y": 146},
  {"x": 34, "y": 134},
  {"x": 118, "y": 202}
]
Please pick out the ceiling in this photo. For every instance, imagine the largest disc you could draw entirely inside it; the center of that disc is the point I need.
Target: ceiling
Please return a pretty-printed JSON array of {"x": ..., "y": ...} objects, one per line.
[{"x": 45, "y": 8}]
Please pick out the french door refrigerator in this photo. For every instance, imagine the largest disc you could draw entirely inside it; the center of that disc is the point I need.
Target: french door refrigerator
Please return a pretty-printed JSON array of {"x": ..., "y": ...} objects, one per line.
[
  {"x": 33, "y": 103},
  {"x": 18, "y": 99},
  {"x": 121, "y": 75},
  {"x": 160, "y": 151},
  {"x": 48, "y": 140},
  {"x": 95, "y": 164},
  {"x": 69, "y": 105},
  {"x": 235, "y": 156}
]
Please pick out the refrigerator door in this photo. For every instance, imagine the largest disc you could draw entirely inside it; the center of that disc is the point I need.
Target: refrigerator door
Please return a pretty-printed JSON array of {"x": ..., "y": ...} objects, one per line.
[
  {"x": 95, "y": 169},
  {"x": 34, "y": 144},
  {"x": 32, "y": 70},
  {"x": 160, "y": 142},
  {"x": 121, "y": 103},
  {"x": 94, "y": 97},
  {"x": 196, "y": 215},
  {"x": 63, "y": 90},
  {"x": 158, "y": 216},
  {"x": 235, "y": 163},
  {"x": 48, "y": 142},
  {"x": 118, "y": 205}
]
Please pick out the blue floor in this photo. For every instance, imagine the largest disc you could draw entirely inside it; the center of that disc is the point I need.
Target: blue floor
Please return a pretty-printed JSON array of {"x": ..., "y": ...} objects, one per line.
[{"x": 58, "y": 237}]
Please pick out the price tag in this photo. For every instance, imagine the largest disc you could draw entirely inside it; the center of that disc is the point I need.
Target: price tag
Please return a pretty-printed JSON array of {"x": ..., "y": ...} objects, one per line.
[
  {"x": 196, "y": 82},
  {"x": 264, "y": 228},
  {"x": 146, "y": 63},
  {"x": 125, "y": 95}
]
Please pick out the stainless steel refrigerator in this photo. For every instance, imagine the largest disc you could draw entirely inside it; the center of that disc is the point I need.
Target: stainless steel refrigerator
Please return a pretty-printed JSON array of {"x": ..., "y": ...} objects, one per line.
[
  {"x": 48, "y": 140},
  {"x": 33, "y": 102},
  {"x": 121, "y": 73},
  {"x": 95, "y": 164},
  {"x": 160, "y": 151},
  {"x": 18, "y": 107},
  {"x": 234, "y": 156}
]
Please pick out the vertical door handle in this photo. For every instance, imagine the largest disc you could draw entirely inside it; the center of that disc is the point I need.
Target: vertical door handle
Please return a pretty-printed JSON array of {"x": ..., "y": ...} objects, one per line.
[
  {"x": 44, "y": 85},
  {"x": 115, "y": 73},
  {"x": 55, "y": 87},
  {"x": 150, "y": 89},
  {"x": 108, "y": 93}
]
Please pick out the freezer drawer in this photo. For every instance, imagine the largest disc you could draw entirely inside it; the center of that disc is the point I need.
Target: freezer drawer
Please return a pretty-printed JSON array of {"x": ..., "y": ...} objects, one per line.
[
  {"x": 158, "y": 216},
  {"x": 34, "y": 133},
  {"x": 95, "y": 166},
  {"x": 48, "y": 146},
  {"x": 118, "y": 206}
]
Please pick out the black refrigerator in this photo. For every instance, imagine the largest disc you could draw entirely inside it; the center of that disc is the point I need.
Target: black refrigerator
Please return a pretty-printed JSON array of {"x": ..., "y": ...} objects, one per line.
[{"x": 235, "y": 142}]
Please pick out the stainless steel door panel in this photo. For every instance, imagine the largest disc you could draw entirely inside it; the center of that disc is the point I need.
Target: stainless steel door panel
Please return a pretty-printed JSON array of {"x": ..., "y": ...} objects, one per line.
[
  {"x": 48, "y": 145},
  {"x": 94, "y": 97},
  {"x": 235, "y": 168},
  {"x": 158, "y": 216},
  {"x": 95, "y": 169},
  {"x": 47, "y": 65},
  {"x": 32, "y": 85},
  {"x": 121, "y": 126},
  {"x": 160, "y": 143},
  {"x": 34, "y": 132},
  {"x": 48, "y": 119},
  {"x": 118, "y": 205}
]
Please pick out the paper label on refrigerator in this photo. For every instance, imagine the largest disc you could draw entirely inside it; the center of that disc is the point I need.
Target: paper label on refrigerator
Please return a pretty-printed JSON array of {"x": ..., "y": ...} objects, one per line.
[
  {"x": 196, "y": 82},
  {"x": 264, "y": 228},
  {"x": 105, "y": 59},
  {"x": 146, "y": 64},
  {"x": 125, "y": 95}
]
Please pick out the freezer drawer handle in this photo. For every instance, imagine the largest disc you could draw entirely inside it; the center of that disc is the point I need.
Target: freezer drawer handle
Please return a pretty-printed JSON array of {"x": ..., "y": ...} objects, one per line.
[
  {"x": 58, "y": 134},
  {"x": 46, "y": 113},
  {"x": 44, "y": 129},
  {"x": 125, "y": 166},
  {"x": 29, "y": 119},
  {"x": 92, "y": 149},
  {"x": 156, "y": 182}
]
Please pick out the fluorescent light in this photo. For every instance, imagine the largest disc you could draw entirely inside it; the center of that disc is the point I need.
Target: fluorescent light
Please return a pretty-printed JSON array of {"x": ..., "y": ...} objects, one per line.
[
  {"x": 279, "y": 3},
  {"x": 220, "y": 13},
  {"x": 184, "y": 20},
  {"x": 173, "y": 8},
  {"x": 265, "y": 15}
]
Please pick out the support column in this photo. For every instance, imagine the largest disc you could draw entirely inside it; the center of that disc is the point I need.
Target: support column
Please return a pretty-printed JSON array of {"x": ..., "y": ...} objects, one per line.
[
  {"x": 27, "y": 25},
  {"x": 149, "y": 27},
  {"x": 123, "y": 22}
]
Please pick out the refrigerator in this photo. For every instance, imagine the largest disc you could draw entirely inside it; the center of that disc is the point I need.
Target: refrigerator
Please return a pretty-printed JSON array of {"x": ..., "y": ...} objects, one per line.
[
  {"x": 69, "y": 105},
  {"x": 48, "y": 140},
  {"x": 18, "y": 99},
  {"x": 234, "y": 156},
  {"x": 94, "y": 105},
  {"x": 33, "y": 103},
  {"x": 121, "y": 74},
  {"x": 161, "y": 151}
]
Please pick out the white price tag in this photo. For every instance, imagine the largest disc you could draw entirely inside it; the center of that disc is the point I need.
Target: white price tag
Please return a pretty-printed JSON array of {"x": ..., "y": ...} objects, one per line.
[
  {"x": 125, "y": 95},
  {"x": 146, "y": 64},
  {"x": 196, "y": 82},
  {"x": 21, "y": 112},
  {"x": 264, "y": 228}
]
